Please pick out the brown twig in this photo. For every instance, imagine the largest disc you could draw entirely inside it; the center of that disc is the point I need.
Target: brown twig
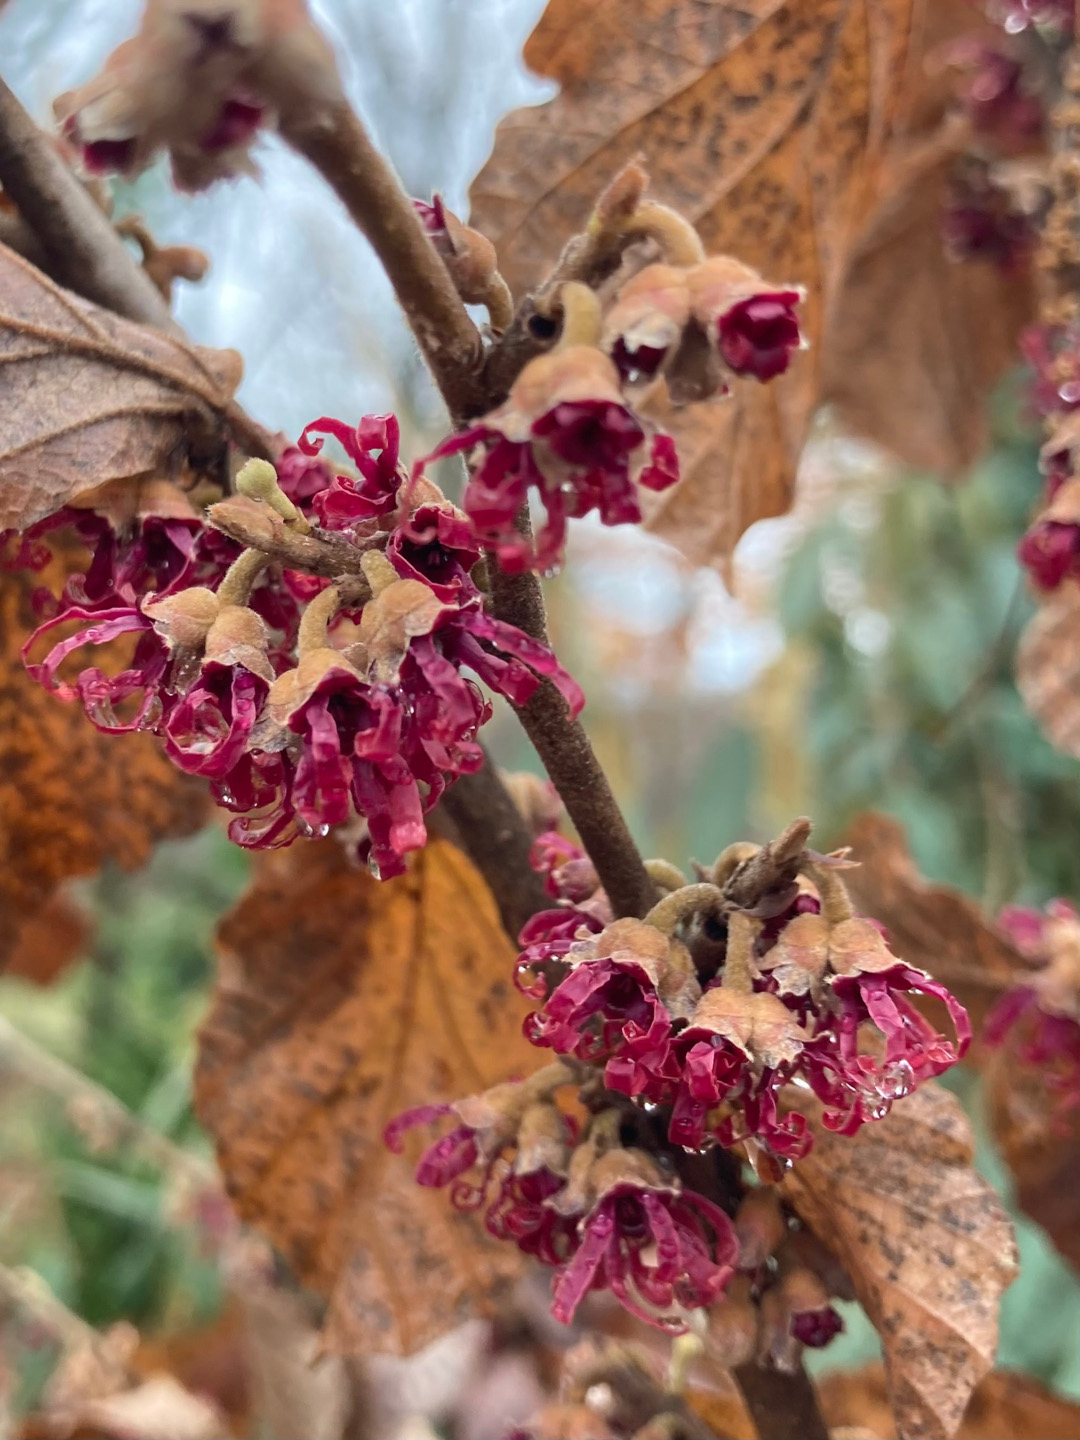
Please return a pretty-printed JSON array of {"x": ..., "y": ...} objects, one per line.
[
  {"x": 254, "y": 524},
  {"x": 569, "y": 759},
  {"x": 497, "y": 842},
  {"x": 782, "y": 1406},
  {"x": 338, "y": 146},
  {"x": 81, "y": 248}
]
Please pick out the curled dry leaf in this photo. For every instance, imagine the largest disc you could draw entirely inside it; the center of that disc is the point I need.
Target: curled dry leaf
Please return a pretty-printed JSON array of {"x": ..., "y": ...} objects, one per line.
[
  {"x": 1004, "y": 1404},
  {"x": 926, "y": 1242},
  {"x": 772, "y": 127},
  {"x": 934, "y": 927},
  {"x": 342, "y": 1002},
  {"x": 90, "y": 398},
  {"x": 1048, "y": 668},
  {"x": 1041, "y": 1146},
  {"x": 71, "y": 798}
]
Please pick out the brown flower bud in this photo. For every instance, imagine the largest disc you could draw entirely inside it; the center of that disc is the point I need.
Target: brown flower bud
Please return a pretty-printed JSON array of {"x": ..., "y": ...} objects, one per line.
[
  {"x": 183, "y": 619},
  {"x": 239, "y": 637},
  {"x": 405, "y": 609},
  {"x": 799, "y": 958},
  {"x": 759, "y": 1024},
  {"x": 665, "y": 960},
  {"x": 643, "y": 327}
]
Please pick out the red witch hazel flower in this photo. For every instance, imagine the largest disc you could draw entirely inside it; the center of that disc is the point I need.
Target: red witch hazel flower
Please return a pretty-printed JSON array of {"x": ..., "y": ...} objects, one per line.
[
  {"x": 624, "y": 988},
  {"x": 661, "y": 1250},
  {"x": 1039, "y": 1023},
  {"x": 390, "y": 712},
  {"x": 193, "y": 82},
  {"x": 521, "y": 1143},
  {"x": 753, "y": 326},
  {"x": 584, "y": 910},
  {"x": 566, "y": 431}
]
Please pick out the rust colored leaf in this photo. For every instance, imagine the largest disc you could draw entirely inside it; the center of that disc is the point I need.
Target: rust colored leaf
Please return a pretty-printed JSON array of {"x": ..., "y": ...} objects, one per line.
[
  {"x": 1048, "y": 668},
  {"x": 1004, "y": 1404},
  {"x": 927, "y": 1244},
  {"x": 71, "y": 798},
  {"x": 919, "y": 339},
  {"x": 931, "y": 926},
  {"x": 342, "y": 1002},
  {"x": 90, "y": 398},
  {"x": 1041, "y": 1146},
  {"x": 775, "y": 126},
  {"x": 48, "y": 941}
]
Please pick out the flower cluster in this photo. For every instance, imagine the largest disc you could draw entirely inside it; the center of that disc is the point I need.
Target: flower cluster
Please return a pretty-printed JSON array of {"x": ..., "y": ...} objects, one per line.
[
  {"x": 567, "y": 429},
  {"x": 685, "y": 1028},
  {"x": 301, "y": 702},
  {"x": 605, "y": 1215},
  {"x": 1039, "y": 1023},
  {"x": 785, "y": 1006}
]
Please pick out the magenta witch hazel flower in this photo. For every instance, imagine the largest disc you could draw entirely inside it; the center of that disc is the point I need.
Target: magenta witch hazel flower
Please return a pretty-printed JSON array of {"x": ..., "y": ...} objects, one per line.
[
  {"x": 1038, "y": 1024},
  {"x": 566, "y": 432},
  {"x": 754, "y": 328},
  {"x": 385, "y": 721}
]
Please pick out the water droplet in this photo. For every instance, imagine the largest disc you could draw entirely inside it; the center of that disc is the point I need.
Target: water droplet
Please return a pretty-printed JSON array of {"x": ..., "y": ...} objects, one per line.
[{"x": 373, "y": 866}]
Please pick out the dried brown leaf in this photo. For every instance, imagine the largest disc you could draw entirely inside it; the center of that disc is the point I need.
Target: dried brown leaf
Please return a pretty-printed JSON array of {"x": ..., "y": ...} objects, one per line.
[
  {"x": 1040, "y": 1144},
  {"x": 931, "y": 926},
  {"x": 71, "y": 798},
  {"x": 1004, "y": 1404},
  {"x": 90, "y": 398},
  {"x": 927, "y": 1244},
  {"x": 775, "y": 127},
  {"x": 919, "y": 339},
  {"x": 342, "y": 1002},
  {"x": 48, "y": 941},
  {"x": 1048, "y": 668}
]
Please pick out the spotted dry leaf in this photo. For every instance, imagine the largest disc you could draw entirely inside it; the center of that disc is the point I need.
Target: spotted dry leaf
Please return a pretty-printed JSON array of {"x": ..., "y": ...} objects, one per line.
[
  {"x": 1048, "y": 668},
  {"x": 933, "y": 927},
  {"x": 71, "y": 798},
  {"x": 1040, "y": 1143},
  {"x": 919, "y": 338},
  {"x": 341, "y": 1002},
  {"x": 926, "y": 1242},
  {"x": 90, "y": 398},
  {"x": 1006, "y": 1403},
  {"x": 769, "y": 124}
]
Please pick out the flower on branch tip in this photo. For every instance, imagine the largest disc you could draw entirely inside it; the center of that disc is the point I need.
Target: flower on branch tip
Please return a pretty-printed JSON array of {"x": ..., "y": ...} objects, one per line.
[
  {"x": 645, "y": 325},
  {"x": 566, "y": 431},
  {"x": 753, "y": 325},
  {"x": 199, "y": 80}
]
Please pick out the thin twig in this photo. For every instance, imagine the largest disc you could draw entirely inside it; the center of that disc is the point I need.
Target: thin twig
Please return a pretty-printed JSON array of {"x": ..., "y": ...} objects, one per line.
[
  {"x": 255, "y": 525},
  {"x": 338, "y": 146},
  {"x": 96, "y": 1108},
  {"x": 497, "y": 842},
  {"x": 568, "y": 757}
]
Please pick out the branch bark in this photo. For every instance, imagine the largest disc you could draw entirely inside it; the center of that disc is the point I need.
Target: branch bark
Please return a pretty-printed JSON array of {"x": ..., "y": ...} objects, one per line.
[
  {"x": 342, "y": 152},
  {"x": 783, "y": 1407},
  {"x": 569, "y": 759}
]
